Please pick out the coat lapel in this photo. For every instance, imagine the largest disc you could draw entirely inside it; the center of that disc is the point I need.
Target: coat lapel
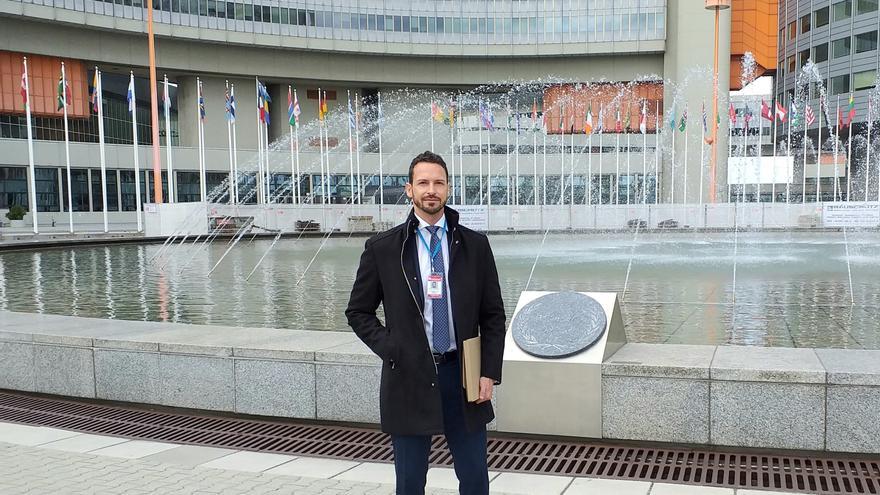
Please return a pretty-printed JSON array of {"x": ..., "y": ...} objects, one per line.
[{"x": 411, "y": 267}]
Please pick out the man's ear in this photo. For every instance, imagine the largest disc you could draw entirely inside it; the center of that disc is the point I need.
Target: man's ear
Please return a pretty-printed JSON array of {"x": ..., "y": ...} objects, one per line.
[{"x": 408, "y": 189}]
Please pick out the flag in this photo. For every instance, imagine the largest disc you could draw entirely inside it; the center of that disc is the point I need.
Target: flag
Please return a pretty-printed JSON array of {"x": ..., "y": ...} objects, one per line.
[
  {"x": 705, "y": 119},
  {"x": 765, "y": 110},
  {"x": 684, "y": 118},
  {"x": 747, "y": 116},
  {"x": 841, "y": 122},
  {"x": 132, "y": 104},
  {"x": 618, "y": 127},
  {"x": 588, "y": 124},
  {"x": 795, "y": 116},
  {"x": 626, "y": 126},
  {"x": 351, "y": 120},
  {"x": 732, "y": 113},
  {"x": 93, "y": 97},
  {"x": 263, "y": 100},
  {"x": 291, "y": 117},
  {"x": 229, "y": 113},
  {"x": 852, "y": 109},
  {"x": 166, "y": 96},
  {"x": 63, "y": 93},
  {"x": 488, "y": 120},
  {"x": 436, "y": 112},
  {"x": 296, "y": 110},
  {"x": 535, "y": 114},
  {"x": 230, "y": 110},
  {"x": 24, "y": 87},
  {"x": 202, "y": 112},
  {"x": 780, "y": 112},
  {"x": 808, "y": 114},
  {"x": 672, "y": 120},
  {"x": 643, "y": 122},
  {"x": 322, "y": 106}
]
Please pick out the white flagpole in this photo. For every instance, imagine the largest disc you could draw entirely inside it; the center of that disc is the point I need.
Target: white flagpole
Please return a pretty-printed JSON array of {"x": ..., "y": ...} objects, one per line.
[
  {"x": 685, "y": 178},
  {"x": 461, "y": 186},
  {"x": 234, "y": 150},
  {"x": 562, "y": 155},
  {"x": 804, "y": 187},
  {"x": 868, "y": 151},
  {"x": 100, "y": 97},
  {"x": 590, "y": 160},
  {"x": 327, "y": 151},
  {"x": 167, "y": 106},
  {"x": 516, "y": 164},
  {"x": 431, "y": 117},
  {"x": 616, "y": 190},
  {"x": 571, "y": 164},
  {"x": 266, "y": 173},
  {"x": 293, "y": 196},
  {"x": 601, "y": 125},
  {"x": 30, "y": 136},
  {"x": 788, "y": 150},
  {"x": 259, "y": 182},
  {"x": 849, "y": 164},
  {"x": 321, "y": 147},
  {"x": 298, "y": 172},
  {"x": 628, "y": 157},
  {"x": 231, "y": 158},
  {"x": 203, "y": 187},
  {"x": 657, "y": 127},
  {"x": 836, "y": 143},
  {"x": 351, "y": 145},
  {"x": 535, "y": 154},
  {"x": 67, "y": 148},
  {"x": 452, "y": 117},
  {"x": 645, "y": 154},
  {"x": 742, "y": 185},
  {"x": 507, "y": 147},
  {"x": 729, "y": 151},
  {"x": 672, "y": 167},
  {"x": 544, "y": 176},
  {"x": 480, "y": 150},
  {"x": 819, "y": 153},
  {"x": 773, "y": 185},
  {"x": 357, "y": 150},
  {"x": 381, "y": 178},
  {"x": 137, "y": 169},
  {"x": 702, "y": 155},
  {"x": 488, "y": 160}
]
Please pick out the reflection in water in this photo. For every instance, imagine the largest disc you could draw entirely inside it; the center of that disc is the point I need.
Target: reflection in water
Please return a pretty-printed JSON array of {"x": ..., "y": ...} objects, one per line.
[{"x": 792, "y": 289}]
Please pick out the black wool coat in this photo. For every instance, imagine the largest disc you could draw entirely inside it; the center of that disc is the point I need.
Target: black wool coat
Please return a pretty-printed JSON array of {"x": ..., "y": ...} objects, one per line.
[{"x": 409, "y": 396}]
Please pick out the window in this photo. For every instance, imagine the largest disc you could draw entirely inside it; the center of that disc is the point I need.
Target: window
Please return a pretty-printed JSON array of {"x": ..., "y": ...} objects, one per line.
[
  {"x": 840, "y": 48},
  {"x": 781, "y": 40},
  {"x": 865, "y": 6},
  {"x": 842, "y": 10},
  {"x": 840, "y": 84},
  {"x": 803, "y": 56},
  {"x": 791, "y": 66},
  {"x": 820, "y": 53},
  {"x": 865, "y": 42},
  {"x": 820, "y": 17},
  {"x": 864, "y": 80},
  {"x": 805, "y": 24},
  {"x": 792, "y": 30}
]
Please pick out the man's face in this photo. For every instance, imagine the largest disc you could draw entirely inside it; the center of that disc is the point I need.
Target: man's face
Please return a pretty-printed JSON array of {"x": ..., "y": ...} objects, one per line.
[{"x": 428, "y": 189}]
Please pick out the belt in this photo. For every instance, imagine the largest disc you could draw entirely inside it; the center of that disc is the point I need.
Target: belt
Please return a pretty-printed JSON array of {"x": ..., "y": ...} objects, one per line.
[{"x": 445, "y": 357}]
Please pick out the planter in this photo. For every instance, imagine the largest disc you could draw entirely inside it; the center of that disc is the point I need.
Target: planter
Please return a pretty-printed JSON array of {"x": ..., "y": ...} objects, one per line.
[{"x": 16, "y": 224}]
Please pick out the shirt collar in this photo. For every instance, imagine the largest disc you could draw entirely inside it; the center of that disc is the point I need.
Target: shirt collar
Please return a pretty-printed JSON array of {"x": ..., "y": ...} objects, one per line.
[{"x": 440, "y": 223}]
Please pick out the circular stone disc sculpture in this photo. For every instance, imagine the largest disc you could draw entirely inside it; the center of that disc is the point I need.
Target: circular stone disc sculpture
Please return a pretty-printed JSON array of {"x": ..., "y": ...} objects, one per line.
[{"x": 559, "y": 325}]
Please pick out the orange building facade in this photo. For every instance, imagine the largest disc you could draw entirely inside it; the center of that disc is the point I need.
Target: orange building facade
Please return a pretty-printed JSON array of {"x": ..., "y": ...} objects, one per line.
[
  {"x": 753, "y": 29},
  {"x": 43, "y": 76}
]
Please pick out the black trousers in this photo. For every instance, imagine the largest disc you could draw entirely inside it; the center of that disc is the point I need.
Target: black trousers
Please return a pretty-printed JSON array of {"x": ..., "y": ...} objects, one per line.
[{"x": 468, "y": 447}]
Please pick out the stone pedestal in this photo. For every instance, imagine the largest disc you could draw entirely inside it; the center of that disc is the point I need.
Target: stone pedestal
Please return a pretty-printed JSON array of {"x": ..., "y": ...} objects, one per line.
[{"x": 557, "y": 396}]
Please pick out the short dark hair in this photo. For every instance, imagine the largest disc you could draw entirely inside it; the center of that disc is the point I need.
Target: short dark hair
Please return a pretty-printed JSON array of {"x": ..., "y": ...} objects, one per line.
[{"x": 428, "y": 157}]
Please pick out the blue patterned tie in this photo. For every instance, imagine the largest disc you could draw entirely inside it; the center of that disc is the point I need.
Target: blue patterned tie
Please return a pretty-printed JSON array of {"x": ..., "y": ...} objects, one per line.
[{"x": 439, "y": 306}]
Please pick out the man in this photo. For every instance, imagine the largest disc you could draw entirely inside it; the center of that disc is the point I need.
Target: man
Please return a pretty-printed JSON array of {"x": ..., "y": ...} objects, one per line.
[{"x": 439, "y": 286}]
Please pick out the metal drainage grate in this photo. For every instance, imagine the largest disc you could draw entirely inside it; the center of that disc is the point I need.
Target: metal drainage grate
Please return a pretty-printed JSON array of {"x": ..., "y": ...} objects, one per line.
[{"x": 695, "y": 467}]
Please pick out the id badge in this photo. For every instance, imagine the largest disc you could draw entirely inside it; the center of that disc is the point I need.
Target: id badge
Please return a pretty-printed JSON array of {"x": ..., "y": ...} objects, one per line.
[{"x": 435, "y": 286}]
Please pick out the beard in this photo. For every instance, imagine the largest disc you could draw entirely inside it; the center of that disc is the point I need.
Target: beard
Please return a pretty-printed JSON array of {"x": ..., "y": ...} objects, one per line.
[{"x": 431, "y": 209}]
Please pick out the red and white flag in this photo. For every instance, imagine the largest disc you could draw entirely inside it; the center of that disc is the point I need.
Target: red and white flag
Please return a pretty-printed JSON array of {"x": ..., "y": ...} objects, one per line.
[
  {"x": 24, "y": 87},
  {"x": 780, "y": 112},
  {"x": 808, "y": 114}
]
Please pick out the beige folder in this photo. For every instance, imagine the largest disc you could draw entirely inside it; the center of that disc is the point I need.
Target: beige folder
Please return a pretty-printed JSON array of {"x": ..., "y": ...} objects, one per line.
[{"x": 470, "y": 368}]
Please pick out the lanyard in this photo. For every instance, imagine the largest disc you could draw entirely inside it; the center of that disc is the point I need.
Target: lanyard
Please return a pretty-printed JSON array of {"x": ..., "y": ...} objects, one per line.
[{"x": 439, "y": 243}]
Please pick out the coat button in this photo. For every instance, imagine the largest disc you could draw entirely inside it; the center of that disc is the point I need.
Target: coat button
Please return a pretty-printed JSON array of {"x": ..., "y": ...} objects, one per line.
[{"x": 432, "y": 384}]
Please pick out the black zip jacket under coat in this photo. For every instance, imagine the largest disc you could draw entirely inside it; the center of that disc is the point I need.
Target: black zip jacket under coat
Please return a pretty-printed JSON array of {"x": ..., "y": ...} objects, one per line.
[{"x": 409, "y": 396}]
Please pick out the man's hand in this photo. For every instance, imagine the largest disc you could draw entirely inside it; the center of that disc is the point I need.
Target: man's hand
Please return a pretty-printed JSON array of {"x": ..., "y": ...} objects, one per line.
[{"x": 486, "y": 386}]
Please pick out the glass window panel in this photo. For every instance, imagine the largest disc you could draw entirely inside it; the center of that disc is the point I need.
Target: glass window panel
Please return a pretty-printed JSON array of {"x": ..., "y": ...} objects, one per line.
[
  {"x": 840, "y": 84},
  {"x": 820, "y": 53},
  {"x": 842, "y": 10},
  {"x": 864, "y": 80},
  {"x": 866, "y": 6},
  {"x": 805, "y": 23},
  {"x": 821, "y": 17},
  {"x": 840, "y": 48},
  {"x": 865, "y": 42}
]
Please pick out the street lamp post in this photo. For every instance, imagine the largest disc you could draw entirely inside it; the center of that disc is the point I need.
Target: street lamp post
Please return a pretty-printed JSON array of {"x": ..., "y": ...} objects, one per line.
[{"x": 717, "y": 6}]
